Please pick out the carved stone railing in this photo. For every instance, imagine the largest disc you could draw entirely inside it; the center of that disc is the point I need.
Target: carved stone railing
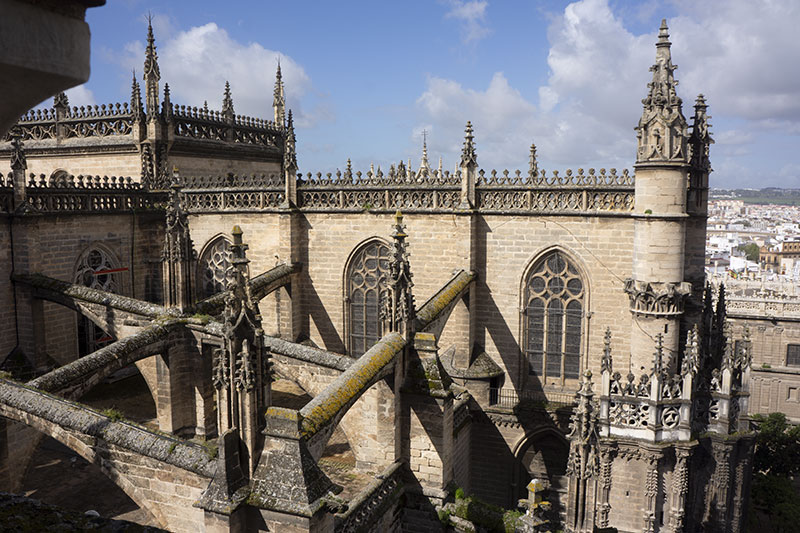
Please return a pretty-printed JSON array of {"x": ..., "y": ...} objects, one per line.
[
  {"x": 76, "y": 122},
  {"x": 756, "y": 298},
  {"x": 80, "y": 193},
  {"x": 764, "y": 307},
  {"x": 426, "y": 190},
  {"x": 202, "y": 123},
  {"x": 232, "y": 193},
  {"x": 367, "y": 507}
]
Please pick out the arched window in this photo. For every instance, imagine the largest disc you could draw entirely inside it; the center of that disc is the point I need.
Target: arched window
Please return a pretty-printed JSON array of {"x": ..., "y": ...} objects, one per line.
[
  {"x": 213, "y": 267},
  {"x": 365, "y": 287},
  {"x": 96, "y": 269},
  {"x": 554, "y": 304}
]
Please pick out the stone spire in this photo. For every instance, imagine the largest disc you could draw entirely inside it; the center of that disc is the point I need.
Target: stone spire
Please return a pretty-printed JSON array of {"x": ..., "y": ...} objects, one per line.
[
  {"x": 424, "y": 167},
  {"x": 279, "y": 99},
  {"x": 398, "y": 310},
  {"x": 136, "y": 97},
  {"x": 178, "y": 255},
  {"x": 151, "y": 74},
  {"x": 700, "y": 139},
  {"x": 468, "y": 156},
  {"x": 19, "y": 165},
  {"x": 290, "y": 164},
  {"x": 166, "y": 105},
  {"x": 662, "y": 128},
  {"x": 240, "y": 368},
  {"x": 227, "y": 103},
  {"x": 469, "y": 166},
  {"x": 583, "y": 465},
  {"x": 290, "y": 146}
]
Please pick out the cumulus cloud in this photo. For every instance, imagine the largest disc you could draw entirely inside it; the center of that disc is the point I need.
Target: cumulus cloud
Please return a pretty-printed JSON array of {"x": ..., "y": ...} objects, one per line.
[
  {"x": 738, "y": 53},
  {"x": 472, "y": 16},
  {"x": 197, "y": 62}
]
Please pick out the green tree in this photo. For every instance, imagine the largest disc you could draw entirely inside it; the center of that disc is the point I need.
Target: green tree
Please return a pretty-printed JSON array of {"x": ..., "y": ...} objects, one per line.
[
  {"x": 776, "y": 461},
  {"x": 750, "y": 251}
]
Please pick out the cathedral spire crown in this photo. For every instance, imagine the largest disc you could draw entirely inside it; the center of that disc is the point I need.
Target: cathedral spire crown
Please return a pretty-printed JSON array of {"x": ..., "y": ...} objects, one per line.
[
  {"x": 279, "y": 99},
  {"x": 151, "y": 74},
  {"x": 662, "y": 130}
]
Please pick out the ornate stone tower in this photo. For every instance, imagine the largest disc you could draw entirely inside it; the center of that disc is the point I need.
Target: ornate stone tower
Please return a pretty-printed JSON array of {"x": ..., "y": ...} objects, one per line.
[{"x": 657, "y": 289}]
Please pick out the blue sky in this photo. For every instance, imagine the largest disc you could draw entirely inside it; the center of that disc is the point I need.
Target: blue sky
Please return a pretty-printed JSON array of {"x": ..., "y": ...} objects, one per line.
[{"x": 365, "y": 78}]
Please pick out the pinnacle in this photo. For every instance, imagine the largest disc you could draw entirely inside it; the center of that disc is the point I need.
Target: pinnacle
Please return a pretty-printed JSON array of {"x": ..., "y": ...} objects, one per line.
[{"x": 663, "y": 33}]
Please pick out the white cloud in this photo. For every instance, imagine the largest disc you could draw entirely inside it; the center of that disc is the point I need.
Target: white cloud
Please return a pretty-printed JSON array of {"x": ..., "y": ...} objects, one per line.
[
  {"x": 472, "y": 15},
  {"x": 80, "y": 96},
  {"x": 740, "y": 54},
  {"x": 197, "y": 62}
]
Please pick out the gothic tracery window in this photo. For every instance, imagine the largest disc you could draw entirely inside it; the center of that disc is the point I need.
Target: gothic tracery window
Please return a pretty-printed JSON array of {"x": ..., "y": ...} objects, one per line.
[
  {"x": 366, "y": 286},
  {"x": 95, "y": 270},
  {"x": 554, "y": 304},
  {"x": 213, "y": 267}
]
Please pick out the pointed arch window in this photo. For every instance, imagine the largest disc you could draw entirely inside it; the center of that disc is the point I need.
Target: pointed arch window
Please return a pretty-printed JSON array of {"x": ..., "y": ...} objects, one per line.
[
  {"x": 95, "y": 269},
  {"x": 213, "y": 267},
  {"x": 553, "y": 322},
  {"x": 365, "y": 287}
]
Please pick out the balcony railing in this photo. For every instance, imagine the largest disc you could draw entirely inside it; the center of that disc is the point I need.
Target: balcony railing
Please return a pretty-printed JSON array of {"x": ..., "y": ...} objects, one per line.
[{"x": 510, "y": 398}]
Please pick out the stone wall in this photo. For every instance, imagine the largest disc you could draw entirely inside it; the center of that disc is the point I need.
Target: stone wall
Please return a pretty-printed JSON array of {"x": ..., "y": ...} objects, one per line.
[
  {"x": 70, "y": 157},
  {"x": 52, "y": 245},
  {"x": 191, "y": 165},
  {"x": 774, "y": 385}
]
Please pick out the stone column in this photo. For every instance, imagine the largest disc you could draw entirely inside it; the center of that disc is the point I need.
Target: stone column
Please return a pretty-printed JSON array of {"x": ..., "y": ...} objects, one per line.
[
  {"x": 603, "y": 504},
  {"x": 680, "y": 489},
  {"x": 651, "y": 492}
]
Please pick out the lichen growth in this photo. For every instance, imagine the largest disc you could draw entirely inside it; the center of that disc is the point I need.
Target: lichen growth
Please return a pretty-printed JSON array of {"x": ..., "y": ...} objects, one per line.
[{"x": 115, "y": 415}]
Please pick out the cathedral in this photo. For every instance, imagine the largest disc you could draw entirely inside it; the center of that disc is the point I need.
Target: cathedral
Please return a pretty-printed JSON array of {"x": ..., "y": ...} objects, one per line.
[{"x": 517, "y": 338}]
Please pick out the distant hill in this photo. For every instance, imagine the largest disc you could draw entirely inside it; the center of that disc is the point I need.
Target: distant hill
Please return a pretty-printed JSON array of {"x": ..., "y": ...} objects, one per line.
[{"x": 769, "y": 195}]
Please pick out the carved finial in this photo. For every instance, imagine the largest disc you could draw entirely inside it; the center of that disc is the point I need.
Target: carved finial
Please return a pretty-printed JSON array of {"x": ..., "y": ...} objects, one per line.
[
  {"x": 151, "y": 74},
  {"x": 18, "y": 160},
  {"x": 468, "y": 156},
  {"x": 227, "y": 102},
  {"x": 662, "y": 128},
  {"x": 533, "y": 168},
  {"x": 606, "y": 363},
  {"x": 166, "y": 105},
  {"x": 348, "y": 171},
  {"x": 60, "y": 101},
  {"x": 279, "y": 99}
]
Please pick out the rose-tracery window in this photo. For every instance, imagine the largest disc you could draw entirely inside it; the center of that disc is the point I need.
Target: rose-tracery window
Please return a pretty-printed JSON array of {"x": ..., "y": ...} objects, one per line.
[
  {"x": 554, "y": 300},
  {"x": 96, "y": 269},
  {"x": 214, "y": 267},
  {"x": 366, "y": 286}
]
